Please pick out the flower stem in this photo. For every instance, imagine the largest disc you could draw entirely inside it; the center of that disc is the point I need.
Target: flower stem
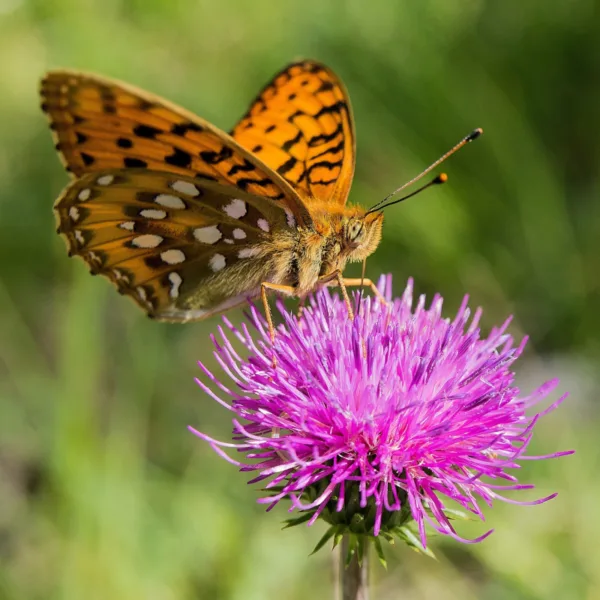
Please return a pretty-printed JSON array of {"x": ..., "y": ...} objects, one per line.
[{"x": 354, "y": 577}]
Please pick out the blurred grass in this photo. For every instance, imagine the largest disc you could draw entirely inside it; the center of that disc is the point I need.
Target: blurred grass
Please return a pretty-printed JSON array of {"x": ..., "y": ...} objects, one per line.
[{"x": 103, "y": 492}]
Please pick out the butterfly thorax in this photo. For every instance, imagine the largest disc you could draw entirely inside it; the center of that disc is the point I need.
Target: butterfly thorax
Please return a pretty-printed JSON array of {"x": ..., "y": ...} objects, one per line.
[{"x": 339, "y": 236}]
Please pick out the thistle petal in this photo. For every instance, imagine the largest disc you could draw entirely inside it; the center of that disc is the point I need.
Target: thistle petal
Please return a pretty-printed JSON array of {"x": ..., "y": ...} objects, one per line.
[{"x": 375, "y": 422}]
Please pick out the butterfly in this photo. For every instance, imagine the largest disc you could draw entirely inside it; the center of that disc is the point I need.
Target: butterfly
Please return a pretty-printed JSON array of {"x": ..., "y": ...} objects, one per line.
[{"x": 188, "y": 220}]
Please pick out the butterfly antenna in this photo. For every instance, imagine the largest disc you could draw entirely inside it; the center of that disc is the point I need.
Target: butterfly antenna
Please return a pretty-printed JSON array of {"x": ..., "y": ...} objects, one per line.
[
  {"x": 441, "y": 178},
  {"x": 469, "y": 138}
]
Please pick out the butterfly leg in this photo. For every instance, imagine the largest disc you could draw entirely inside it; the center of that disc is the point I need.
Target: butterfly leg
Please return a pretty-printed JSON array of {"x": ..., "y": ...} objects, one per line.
[
  {"x": 351, "y": 282},
  {"x": 287, "y": 290},
  {"x": 339, "y": 279}
]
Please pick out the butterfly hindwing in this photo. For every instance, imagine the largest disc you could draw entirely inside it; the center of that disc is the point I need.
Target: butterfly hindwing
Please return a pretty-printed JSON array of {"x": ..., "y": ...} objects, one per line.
[
  {"x": 182, "y": 248},
  {"x": 103, "y": 124},
  {"x": 301, "y": 126}
]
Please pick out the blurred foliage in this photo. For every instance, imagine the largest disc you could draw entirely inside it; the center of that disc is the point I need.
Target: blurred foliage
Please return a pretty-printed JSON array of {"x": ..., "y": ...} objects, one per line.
[{"x": 103, "y": 492}]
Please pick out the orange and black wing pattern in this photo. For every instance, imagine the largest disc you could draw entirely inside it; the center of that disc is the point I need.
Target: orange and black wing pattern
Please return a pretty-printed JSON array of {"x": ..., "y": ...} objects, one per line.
[
  {"x": 101, "y": 124},
  {"x": 301, "y": 126}
]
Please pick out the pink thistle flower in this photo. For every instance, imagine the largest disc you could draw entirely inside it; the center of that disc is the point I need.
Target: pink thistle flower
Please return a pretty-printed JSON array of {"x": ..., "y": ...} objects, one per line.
[{"x": 373, "y": 424}]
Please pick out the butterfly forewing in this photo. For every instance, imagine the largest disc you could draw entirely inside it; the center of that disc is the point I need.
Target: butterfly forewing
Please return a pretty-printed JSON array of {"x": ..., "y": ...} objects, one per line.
[
  {"x": 184, "y": 218},
  {"x": 102, "y": 124},
  {"x": 182, "y": 248},
  {"x": 301, "y": 126}
]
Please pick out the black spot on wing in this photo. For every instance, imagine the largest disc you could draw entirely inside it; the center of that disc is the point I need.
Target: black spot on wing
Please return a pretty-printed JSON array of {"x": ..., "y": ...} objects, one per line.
[
  {"x": 326, "y": 86},
  {"x": 124, "y": 142},
  {"x": 325, "y": 164},
  {"x": 336, "y": 107},
  {"x": 214, "y": 158},
  {"x": 312, "y": 67},
  {"x": 324, "y": 181},
  {"x": 288, "y": 144},
  {"x": 179, "y": 158},
  {"x": 331, "y": 150},
  {"x": 295, "y": 114},
  {"x": 87, "y": 158},
  {"x": 133, "y": 163},
  {"x": 245, "y": 182},
  {"x": 246, "y": 167},
  {"x": 317, "y": 140},
  {"x": 183, "y": 128},
  {"x": 146, "y": 105},
  {"x": 154, "y": 261},
  {"x": 108, "y": 100},
  {"x": 146, "y": 197},
  {"x": 146, "y": 131},
  {"x": 288, "y": 165}
]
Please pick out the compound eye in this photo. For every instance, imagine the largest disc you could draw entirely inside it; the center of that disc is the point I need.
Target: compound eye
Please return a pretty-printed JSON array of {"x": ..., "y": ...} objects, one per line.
[{"x": 355, "y": 230}]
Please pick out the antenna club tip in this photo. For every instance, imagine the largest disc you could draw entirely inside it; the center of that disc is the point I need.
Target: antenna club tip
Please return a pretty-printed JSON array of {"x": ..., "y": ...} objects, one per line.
[
  {"x": 441, "y": 178},
  {"x": 474, "y": 134}
]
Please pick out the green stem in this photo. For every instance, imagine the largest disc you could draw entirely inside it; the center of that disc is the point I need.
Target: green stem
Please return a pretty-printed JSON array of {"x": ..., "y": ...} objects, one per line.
[{"x": 354, "y": 577}]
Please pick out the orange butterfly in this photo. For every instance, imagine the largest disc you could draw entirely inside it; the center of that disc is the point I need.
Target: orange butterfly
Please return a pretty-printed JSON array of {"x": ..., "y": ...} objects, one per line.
[{"x": 190, "y": 221}]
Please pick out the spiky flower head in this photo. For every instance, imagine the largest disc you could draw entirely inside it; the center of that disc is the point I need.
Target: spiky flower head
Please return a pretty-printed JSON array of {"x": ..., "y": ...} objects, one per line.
[{"x": 373, "y": 424}]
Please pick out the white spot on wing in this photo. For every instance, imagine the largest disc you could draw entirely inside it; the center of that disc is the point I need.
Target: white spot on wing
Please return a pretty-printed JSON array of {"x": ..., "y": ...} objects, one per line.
[
  {"x": 153, "y": 213},
  {"x": 74, "y": 213},
  {"x": 263, "y": 224},
  {"x": 176, "y": 280},
  {"x": 79, "y": 236},
  {"x": 149, "y": 240},
  {"x": 217, "y": 262},
  {"x": 228, "y": 241},
  {"x": 291, "y": 221},
  {"x": 239, "y": 234},
  {"x": 84, "y": 194},
  {"x": 120, "y": 276},
  {"x": 129, "y": 225},
  {"x": 142, "y": 293},
  {"x": 172, "y": 256},
  {"x": 169, "y": 201},
  {"x": 208, "y": 235},
  {"x": 185, "y": 187},
  {"x": 105, "y": 180},
  {"x": 248, "y": 252},
  {"x": 236, "y": 209}
]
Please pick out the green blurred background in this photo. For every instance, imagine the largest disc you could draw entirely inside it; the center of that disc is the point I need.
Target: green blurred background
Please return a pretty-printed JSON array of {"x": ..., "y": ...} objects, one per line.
[{"x": 103, "y": 492}]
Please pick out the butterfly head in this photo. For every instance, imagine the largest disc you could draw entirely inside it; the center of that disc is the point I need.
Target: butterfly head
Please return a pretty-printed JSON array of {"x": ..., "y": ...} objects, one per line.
[{"x": 361, "y": 235}]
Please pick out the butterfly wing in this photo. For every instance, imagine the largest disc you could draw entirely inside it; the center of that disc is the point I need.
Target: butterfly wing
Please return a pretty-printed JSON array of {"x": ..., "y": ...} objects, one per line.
[
  {"x": 301, "y": 125},
  {"x": 181, "y": 248},
  {"x": 101, "y": 124}
]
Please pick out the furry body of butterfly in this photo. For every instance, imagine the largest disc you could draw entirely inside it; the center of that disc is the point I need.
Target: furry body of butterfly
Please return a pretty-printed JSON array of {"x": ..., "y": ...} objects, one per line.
[
  {"x": 189, "y": 221},
  {"x": 292, "y": 260}
]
